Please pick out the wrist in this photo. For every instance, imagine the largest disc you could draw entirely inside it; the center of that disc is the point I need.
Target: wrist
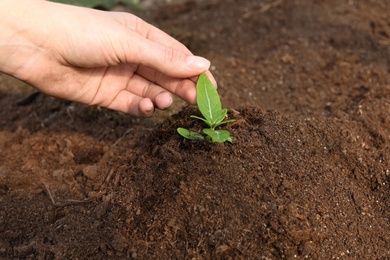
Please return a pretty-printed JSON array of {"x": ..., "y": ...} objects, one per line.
[{"x": 17, "y": 31}]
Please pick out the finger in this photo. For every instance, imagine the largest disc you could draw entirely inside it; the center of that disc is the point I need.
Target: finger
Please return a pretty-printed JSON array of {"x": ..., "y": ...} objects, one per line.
[
  {"x": 129, "y": 103},
  {"x": 142, "y": 87},
  {"x": 211, "y": 77},
  {"x": 126, "y": 92},
  {"x": 155, "y": 35},
  {"x": 135, "y": 49},
  {"x": 184, "y": 88},
  {"x": 149, "y": 31}
]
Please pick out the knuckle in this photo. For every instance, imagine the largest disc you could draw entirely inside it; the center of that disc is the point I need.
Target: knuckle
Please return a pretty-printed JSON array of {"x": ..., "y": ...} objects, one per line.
[{"x": 170, "y": 56}]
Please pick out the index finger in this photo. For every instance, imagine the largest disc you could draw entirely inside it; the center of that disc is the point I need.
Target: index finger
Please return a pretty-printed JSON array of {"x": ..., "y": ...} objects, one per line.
[{"x": 149, "y": 31}]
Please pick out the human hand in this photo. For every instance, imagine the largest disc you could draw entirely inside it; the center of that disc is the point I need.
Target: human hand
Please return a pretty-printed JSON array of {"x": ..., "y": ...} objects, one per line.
[{"x": 109, "y": 59}]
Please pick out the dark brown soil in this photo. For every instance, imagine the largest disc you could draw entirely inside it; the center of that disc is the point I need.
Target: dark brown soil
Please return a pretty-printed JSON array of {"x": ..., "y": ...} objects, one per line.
[{"x": 307, "y": 176}]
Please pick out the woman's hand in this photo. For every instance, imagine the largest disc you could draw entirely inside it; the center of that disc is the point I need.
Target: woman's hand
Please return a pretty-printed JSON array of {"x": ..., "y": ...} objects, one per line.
[{"x": 109, "y": 59}]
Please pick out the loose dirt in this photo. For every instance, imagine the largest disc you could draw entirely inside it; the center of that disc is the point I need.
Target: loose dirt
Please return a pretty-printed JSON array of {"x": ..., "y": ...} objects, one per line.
[{"x": 307, "y": 175}]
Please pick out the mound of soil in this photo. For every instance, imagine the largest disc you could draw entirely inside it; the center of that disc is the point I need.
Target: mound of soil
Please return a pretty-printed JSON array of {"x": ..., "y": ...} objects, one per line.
[
  {"x": 284, "y": 189},
  {"x": 307, "y": 175}
]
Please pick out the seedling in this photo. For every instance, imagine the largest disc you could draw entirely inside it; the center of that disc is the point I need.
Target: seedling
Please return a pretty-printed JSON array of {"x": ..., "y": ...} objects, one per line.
[{"x": 209, "y": 105}]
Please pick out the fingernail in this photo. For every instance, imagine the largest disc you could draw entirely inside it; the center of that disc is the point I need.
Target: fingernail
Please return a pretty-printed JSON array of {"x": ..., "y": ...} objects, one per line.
[
  {"x": 149, "y": 107},
  {"x": 170, "y": 101},
  {"x": 197, "y": 63},
  {"x": 164, "y": 100}
]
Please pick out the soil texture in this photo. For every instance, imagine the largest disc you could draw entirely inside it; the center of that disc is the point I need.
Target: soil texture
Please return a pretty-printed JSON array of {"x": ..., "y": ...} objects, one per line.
[{"x": 307, "y": 175}]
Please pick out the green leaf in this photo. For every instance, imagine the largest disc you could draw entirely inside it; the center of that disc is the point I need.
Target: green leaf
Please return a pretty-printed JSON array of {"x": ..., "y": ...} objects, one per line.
[
  {"x": 208, "y": 100},
  {"x": 189, "y": 134},
  {"x": 219, "y": 136},
  {"x": 225, "y": 122},
  {"x": 219, "y": 116},
  {"x": 203, "y": 119},
  {"x": 210, "y": 107}
]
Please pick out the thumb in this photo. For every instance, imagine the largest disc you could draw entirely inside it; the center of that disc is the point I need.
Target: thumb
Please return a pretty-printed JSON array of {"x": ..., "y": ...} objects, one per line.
[{"x": 170, "y": 60}]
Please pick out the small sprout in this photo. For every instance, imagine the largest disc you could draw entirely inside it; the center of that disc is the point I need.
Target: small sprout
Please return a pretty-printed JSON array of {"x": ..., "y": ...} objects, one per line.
[
  {"x": 189, "y": 134},
  {"x": 219, "y": 136},
  {"x": 210, "y": 107}
]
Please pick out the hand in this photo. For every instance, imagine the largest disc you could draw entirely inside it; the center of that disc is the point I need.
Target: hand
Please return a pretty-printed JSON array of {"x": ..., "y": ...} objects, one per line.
[{"x": 109, "y": 59}]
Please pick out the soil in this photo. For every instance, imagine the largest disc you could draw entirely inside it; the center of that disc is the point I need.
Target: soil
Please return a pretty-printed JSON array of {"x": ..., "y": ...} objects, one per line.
[{"x": 307, "y": 175}]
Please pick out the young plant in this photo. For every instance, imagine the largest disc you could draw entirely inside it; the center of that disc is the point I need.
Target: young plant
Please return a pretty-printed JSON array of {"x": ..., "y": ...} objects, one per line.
[{"x": 209, "y": 105}]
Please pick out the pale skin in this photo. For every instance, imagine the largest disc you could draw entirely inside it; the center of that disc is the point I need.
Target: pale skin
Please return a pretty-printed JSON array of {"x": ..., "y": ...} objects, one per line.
[{"x": 108, "y": 59}]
